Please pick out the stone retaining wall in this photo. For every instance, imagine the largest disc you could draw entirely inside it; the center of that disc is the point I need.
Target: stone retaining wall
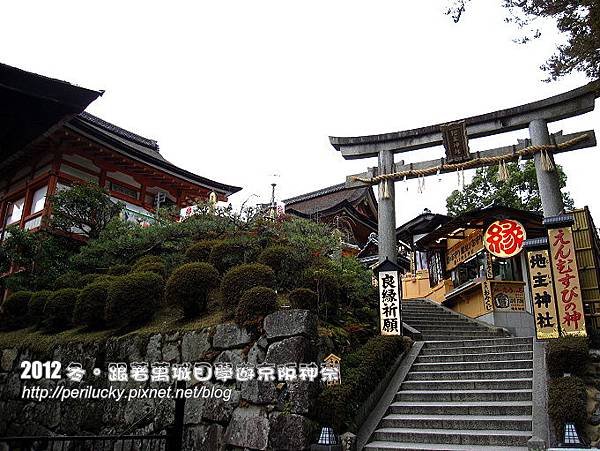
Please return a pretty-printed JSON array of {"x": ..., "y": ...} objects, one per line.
[{"x": 258, "y": 415}]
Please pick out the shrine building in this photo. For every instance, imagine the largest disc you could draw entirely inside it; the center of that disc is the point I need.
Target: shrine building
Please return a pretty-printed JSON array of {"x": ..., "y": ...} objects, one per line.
[
  {"x": 48, "y": 141},
  {"x": 451, "y": 265},
  {"x": 352, "y": 211}
]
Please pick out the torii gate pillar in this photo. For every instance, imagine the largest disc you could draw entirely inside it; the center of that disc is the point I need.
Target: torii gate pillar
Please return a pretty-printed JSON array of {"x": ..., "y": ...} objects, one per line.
[
  {"x": 548, "y": 182},
  {"x": 386, "y": 210}
]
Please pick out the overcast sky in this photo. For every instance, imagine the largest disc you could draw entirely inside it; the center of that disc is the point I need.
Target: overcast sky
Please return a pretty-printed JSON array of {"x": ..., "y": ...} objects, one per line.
[{"x": 238, "y": 91}]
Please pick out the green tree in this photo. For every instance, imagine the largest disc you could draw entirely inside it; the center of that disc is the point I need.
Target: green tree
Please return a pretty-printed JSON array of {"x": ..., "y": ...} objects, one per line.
[
  {"x": 577, "y": 20},
  {"x": 519, "y": 191},
  {"x": 85, "y": 208}
]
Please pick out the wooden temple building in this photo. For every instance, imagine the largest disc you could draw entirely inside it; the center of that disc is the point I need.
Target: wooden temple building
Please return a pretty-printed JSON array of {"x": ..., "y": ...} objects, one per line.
[
  {"x": 48, "y": 141},
  {"x": 450, "y": 265},
  {"x": 352, "y": 211}
]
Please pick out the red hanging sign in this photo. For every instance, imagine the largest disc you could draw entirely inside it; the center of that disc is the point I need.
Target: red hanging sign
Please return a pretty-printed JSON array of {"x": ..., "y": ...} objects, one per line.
[{"x": 504, "y": 238}]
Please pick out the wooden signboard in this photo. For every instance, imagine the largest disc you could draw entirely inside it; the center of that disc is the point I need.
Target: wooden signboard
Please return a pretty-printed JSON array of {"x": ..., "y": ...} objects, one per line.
[
  {"x": 389, "y": 303},
  {"x": 464, "y": 249},
  {"x": 566, "y": 282},
  {"x": 542, "y": 290},
  {"x": 508, "y": 296}
]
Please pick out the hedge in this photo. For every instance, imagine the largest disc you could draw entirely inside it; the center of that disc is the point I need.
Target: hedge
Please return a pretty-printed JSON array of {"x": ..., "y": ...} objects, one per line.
[
  {"x": 286, "y": 264},
  {"x": 59, "y": 309},
  {"x": 567, "y": 355},
  {"x": 362, "y": 371},
  {"x": 303, "y": 298},
  {"x": 256, "y": 303},
  {"x": 91, "y": 304},
  {"x": 119, "y": 270},
  {"x": 69, "y": 279},
  {"x": 37, "y": 306},
  {"x": 14, "y": 309},
  {"x": 155, "y": 267},
  {"x": 190, "y": 285},
  {"x": 200, "y": 250},
  {"x": 229, "y": 253},
  {"x": 133, "y": 298},
  {"x": 567, "y": 402},
  {"x": 240, "y": 279},
  {"x": 326, "y": 283}
]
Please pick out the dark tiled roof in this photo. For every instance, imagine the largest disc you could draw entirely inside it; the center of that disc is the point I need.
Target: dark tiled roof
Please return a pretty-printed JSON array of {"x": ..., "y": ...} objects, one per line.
[
  {"x": 325, "y": 198},
  {"x": 118, "y": 131}
]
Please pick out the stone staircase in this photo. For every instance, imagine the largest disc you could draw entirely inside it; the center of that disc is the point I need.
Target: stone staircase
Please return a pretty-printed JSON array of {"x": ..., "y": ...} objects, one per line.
[{"x": 470, "y": 388}]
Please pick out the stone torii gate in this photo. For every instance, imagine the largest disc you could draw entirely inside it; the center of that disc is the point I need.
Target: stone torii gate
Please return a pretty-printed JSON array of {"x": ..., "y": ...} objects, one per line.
[{"x": 454, "y": 136}]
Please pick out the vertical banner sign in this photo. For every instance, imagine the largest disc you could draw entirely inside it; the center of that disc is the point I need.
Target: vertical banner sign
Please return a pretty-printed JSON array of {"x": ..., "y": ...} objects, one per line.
[
  {"x": 542, "y": 290},
  {"x": 566, "y": 281},
  {"x": 389, "y": 303}
]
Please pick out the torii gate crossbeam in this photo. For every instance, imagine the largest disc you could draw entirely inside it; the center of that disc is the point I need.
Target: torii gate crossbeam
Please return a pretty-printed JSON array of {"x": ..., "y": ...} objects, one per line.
[{"x": 535, "y": 116}]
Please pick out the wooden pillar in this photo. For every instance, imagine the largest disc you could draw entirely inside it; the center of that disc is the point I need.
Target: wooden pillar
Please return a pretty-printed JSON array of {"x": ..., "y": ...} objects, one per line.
[
  {"x": 548, "y": 183},
  {"x": 386, "y": 221}
]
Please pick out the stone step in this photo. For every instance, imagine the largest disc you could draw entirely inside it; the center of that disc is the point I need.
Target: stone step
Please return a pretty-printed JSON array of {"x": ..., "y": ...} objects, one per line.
[
  {"x": 441, "y": 322},
  {"x": 490, "y": 422},
  {"x": 494, "y": 341},
  {"x": 462, "y": 350},
  {"x": 468, "y": 437},
  {"x": 466, "y": 366},
  {"x": 404, "y": 446},
  {"x": 485, "y": 335},
  {"x": 516, "y": 408},
  {"x": 430, "y": 316},
  {"x": 463, "y": 395},
  {"x": 449, "y": 327},
  {"x": 481, "y": 384},
  {"x": 527, "y": 355},
  {"x": 469, "y": 374}
]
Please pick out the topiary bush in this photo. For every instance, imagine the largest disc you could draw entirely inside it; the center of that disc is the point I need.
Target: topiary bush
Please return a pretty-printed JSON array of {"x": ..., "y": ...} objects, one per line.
[
  {"x": 567, "y": 402},
  {"x": 303, "y": 298},
  {"x": 14, "y": 309},
  {"x": 147, "y": 259},
  {"x": 286, "y": 264},
  {"x": 240, "y": 279},
  {"x": 133, "y": 298},
  {"x": 361, "y": 371},
  {"x": 200, "y": 250},
  {"x": 37, "y": 306},
  {"x": 91, "y": 304},
  {"x": 155, "y": 267},
  {"x": 232, "y": 252},
  {"x": 190, "y": 285},
  {"x": 567, "y": 355},
  {"x": 255, "y": 304},
  {"x": 119, "y": 270},
  {"x": 59, "y": 309},
  {"x": 69, "y": 279}
]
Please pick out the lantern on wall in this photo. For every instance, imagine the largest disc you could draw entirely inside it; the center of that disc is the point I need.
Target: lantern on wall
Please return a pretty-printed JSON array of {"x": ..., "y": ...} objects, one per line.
[{"x": 505, "y": 238}]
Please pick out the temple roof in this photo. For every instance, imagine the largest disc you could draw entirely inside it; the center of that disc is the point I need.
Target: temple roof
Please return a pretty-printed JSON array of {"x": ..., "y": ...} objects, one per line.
[
  {"x": 326, "y": 199},
  {"x": 32, "y": 104},
  {"x": 426, "y": 222},
  {"x": 140, "y": 148}
]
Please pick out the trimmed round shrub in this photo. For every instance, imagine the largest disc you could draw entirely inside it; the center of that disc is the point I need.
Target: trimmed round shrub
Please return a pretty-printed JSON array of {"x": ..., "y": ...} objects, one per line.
[
  {"x": 147, "y": 259},
  {"x": 200, "y": 250},
  {"x": 286, "y": 264},
  {"x": 256, "y": 303},
  {"x": 240, "y": 279},
  {"x": 155, "y": 267},
  {"x": 303, "y": 298},
  {"x": 119, "y": 270},
  {"x": 37, "y": 306},
  {"x": 69, "y": 279},
  {"x": 91, "y": 304},
  {"x": 133, "y": 298},
  {"x": 86, "y": 279},
  {"x": 567, "y": 402},
  {"x": 15, "y": 307},
  {"x": 229, "y": 253},
  {"x": 190, "y": 285},
  {"x": 59, "y": 309},
  {"x": 567, "y": 355}
]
